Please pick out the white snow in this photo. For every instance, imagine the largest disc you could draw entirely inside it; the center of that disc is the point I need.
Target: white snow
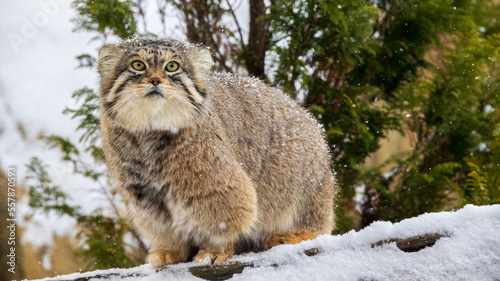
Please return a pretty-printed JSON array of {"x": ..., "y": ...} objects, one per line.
[
  {"x": 488, "y": 109},
  {"x": 360, "y": 197},
  {"x": 470, "y": 251}
]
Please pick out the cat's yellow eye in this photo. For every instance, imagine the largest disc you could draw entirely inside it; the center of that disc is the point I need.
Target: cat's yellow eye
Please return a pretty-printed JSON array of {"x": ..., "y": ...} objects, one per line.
[
  {"x": 172, "y": 66},
  {"x": 138, "y": 65}
]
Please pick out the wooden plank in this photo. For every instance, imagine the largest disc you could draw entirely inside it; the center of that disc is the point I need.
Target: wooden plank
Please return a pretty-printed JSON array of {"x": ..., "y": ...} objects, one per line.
[{"x": 412, "y": 244}]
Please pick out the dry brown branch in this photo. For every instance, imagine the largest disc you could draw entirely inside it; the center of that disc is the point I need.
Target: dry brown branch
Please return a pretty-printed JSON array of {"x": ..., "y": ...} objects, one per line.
[{"x": 233, "y": 15}]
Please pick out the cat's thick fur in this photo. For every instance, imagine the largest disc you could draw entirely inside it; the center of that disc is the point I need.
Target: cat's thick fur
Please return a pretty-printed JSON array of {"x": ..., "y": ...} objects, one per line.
[{"x": 209, "y": 160}]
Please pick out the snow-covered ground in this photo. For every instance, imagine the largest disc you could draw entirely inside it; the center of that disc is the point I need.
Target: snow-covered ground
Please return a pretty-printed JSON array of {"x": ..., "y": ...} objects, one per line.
[{"x": 471, "y": 251}]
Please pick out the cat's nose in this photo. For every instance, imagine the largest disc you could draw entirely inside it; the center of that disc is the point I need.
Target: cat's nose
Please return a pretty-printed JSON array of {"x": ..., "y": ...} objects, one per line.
[{"x": 155, "y": 81}]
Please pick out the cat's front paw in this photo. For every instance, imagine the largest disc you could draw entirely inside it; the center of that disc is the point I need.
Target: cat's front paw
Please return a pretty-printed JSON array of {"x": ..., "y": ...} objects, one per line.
[
  {"x": 207, "y": 254},
  {"x": 212, "y": 257},
  {"x": 161, "y": 257}
]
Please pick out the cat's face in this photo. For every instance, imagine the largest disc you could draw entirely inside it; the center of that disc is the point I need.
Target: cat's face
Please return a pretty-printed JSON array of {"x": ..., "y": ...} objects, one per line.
[{"x": 149, "y": 84}]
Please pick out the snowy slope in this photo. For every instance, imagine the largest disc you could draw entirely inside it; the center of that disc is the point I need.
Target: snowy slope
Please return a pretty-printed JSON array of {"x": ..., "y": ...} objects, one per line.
[{"x": 470, "y": 252}]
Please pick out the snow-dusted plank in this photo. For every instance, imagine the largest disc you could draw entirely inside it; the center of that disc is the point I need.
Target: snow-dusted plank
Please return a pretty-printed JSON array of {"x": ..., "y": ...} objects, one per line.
[
  {"x": 226, "y": 271},
  {"x": 468, "y": 250}
]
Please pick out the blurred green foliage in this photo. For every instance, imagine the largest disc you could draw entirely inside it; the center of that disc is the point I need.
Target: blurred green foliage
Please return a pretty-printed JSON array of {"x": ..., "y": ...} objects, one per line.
[
  {"x": 424, "y": 68},
  {"x": 105, "y": 16},
  {"x": 428, "y": 69},
  {"x": 102, "y": 236}
]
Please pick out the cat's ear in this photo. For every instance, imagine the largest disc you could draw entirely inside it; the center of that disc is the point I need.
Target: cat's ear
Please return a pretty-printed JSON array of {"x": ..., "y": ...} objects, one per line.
[
  {"x": 202, "y": 62},
  {"x": 108, "y": 56}
]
